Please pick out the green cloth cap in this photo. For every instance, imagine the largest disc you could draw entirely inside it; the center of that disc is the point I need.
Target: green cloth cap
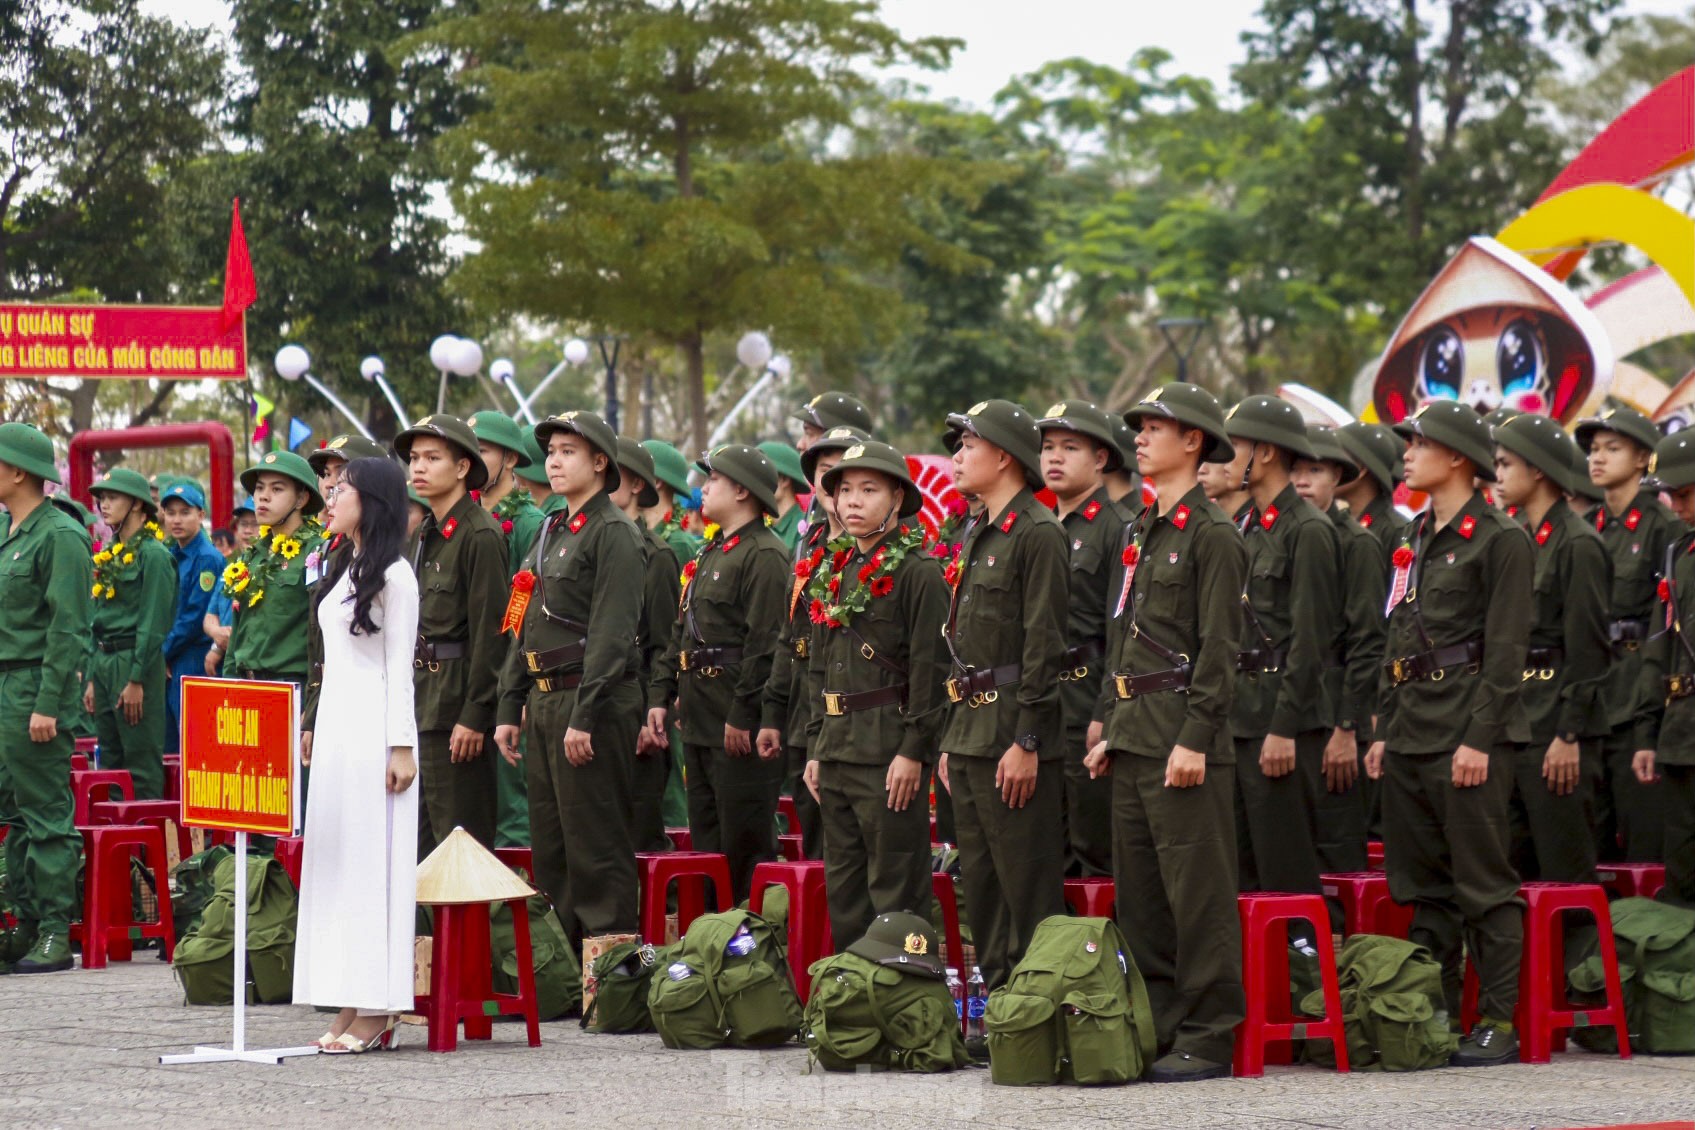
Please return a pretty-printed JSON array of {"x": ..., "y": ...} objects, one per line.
[
  {"x": 1193, "y": 407},
  {"x": 1375, "y": 450},
  {"x": 1627, "y": 422},
  {"x": 1270, "y": 419},
  {"x": 289, "y": 466},
  {"x": 1543, "y": 444},
  {"x": 903, "y": 941},
  {"x": 833, "y": 410},
  {"x": 638, "y": 461},
  {"x": 836, "y": 439},
  {"x": 1673, "y": 465},
  {"x": 1330, "y": 450},
  {"x": 1009, "y": 428},
  {"x": 534, "y": 468},
  {"x": 1086, "y": 420},
  {"x": 130, "y": 484},
  {"x": 670, "y": 465},
  {"x": 500, "y": 430},
  {"x": 747, "y": 467},
  {"x": 592, "y": 428},
  {"x": 347, "y": 448},
  {"x": 78, "y": 512},
  {"x": 1458, "y": 428},
  {"x": 786, "y": 459},
  {"x": 25, "y": 448},
  {"x": 874, "y": 455},
  {"x": 456, "y": 432}
]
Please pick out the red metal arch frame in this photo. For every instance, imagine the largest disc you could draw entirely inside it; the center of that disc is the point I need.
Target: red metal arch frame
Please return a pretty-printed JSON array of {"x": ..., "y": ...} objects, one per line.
[{"x": 216, "y": 437}]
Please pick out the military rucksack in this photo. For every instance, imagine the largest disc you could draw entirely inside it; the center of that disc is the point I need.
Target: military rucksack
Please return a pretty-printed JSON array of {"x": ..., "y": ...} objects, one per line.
[
  {"x": 623, "y": 978},
  {"x": 1393, "y": 1012},
  {"x": 558, "y": 972},
  {"x": 1656, "y": 967},
  {"x": 1074, "y": 1010},
  {"x": 726, "y": 982},
  {"x": 195, "y": 884},
  {"x": 862, "y": 1014},
  {"x": 204, "y": 962}
]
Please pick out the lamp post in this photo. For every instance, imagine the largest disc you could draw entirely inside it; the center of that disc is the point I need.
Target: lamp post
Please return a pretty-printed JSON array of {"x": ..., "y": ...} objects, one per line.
[
  {"x": 292, "y": 363},
  {"x": 372, "y": 369},
  {"x": 754, "y": 351},
  {"x": 506, "y": 373},
  {"x": 577, "y": 351},
  {"x": 1182, "y": 335}
]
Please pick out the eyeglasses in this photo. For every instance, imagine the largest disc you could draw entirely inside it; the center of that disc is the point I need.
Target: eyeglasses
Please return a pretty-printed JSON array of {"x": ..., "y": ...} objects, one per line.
[{"x": 337, "y": 491}]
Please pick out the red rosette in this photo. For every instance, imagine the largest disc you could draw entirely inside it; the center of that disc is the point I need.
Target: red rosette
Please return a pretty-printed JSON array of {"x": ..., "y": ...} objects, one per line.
[
  {"x": 1402, "y": 558},
  {"x": 882, "y": 586},
  {"x": 1665, "y": 592},
  {"x": 1132, "y": 553},
  {"x": 835, "y": 586},
  {"x": 525, "y": 581},
  {"x": 840, "y": 557},
  {"x": 506, "y": 526},
  {"x": 816, "y": 612},
  {"x": 690, "y": 569}
]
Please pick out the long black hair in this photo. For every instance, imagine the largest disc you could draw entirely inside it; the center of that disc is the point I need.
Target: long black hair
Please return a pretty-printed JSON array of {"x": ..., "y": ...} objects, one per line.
[{"x": 382, "y": 530}]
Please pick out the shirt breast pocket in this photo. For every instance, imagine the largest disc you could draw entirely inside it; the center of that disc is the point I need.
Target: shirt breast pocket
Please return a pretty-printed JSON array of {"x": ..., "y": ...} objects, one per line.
[
  {"x": 1633, "y": 580},
  {"x": 1451, "y": 597},
  {"x": 1087, "y": 560},
  {"x": 1165, "y": 595},
  {"x": 992, "y": 592},
  {"x": 1268, "y": 579},
  {"x": 18, "y": 589}
]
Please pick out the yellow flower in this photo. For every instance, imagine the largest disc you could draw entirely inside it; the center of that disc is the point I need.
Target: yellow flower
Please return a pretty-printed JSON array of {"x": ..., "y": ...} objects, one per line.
[
  {"x": 110, "y": 592},
  {"x": 129, "y": 559},
  {"x": 233, "y": 572},
  {"x": 264, "y": 531},
  {"x": 288, "y": 547},
  {"x": 711, "y": 530},
  {"x": 770, "y": 521},
  {"x": 103, "y": 557},
  {"x": 257, "y": 597},
  {"x": 240, "y": 585},
  {"x": 98, "y": 589}
]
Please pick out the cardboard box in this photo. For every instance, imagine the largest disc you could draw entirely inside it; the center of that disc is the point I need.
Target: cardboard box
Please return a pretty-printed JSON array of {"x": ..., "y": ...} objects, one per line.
[
  {"x": 421, "y": 963},
  {"x": 592, "y": 949}
]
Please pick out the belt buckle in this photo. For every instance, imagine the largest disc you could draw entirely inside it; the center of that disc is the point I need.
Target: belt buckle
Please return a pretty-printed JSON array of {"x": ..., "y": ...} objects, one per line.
[
  {"x": 533, "y": 660},
  {"x": 1122, "y": 684},
  {"x": 956, "y": 693},
  {"x": 545, "y": 686},
  {"x": 802, "y": 647},
  {"x": 833, "y": 704},
  {"x": 1398, "y": 670},
  {"x": 682, "y": 661}
]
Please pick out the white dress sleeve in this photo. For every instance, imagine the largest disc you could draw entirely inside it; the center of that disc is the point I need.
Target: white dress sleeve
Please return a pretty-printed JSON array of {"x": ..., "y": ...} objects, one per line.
[{"x": 400, "y": 635}]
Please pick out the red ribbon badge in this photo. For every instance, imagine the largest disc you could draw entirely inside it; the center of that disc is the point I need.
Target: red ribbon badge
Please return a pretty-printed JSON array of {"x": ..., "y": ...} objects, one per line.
[{"x": 519, "y": 602}]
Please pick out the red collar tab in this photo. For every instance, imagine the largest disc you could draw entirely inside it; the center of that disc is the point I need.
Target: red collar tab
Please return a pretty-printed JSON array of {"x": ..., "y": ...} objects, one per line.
[
  {"x": 1365, "y": 521},
  {"x": 1467, "y": 525},
  {"x": 1543, "y": 532},
  {"x": 577, "y": 522},
  {"x": 1091, "y": 510},
  {"x": 1006, "y": 523},
  {"x": 1269, "y": 518},
  {"x": 1601, "y": 520},
  {"x": 1632, "y": 520},
  {"x": 1488, "y": 496},
  {"x": 1180, "y": 517},
  {"x": 1512, "y": 512},
  {"x": 731, "y": 544}
]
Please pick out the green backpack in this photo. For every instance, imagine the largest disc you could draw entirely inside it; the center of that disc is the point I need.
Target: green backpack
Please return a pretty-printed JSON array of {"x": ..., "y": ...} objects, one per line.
[
  {"x": 204, "y": 963},
  {"x": 1393, "y": 1012},
  {"x": 1656, "y": 966},
  {"x": 194, "y": 887},
  {"x": 726, "y": 982},
  {"x": 623, "y": 977},
  {"x": 862, "y": 1014},
  {"x": 559, "y": 973},
  {"x": 1074, "y": 1010}
]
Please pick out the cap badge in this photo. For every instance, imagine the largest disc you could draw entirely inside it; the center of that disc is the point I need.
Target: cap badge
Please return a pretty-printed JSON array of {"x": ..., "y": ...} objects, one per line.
[
  {"x": 271, "y": 458},
  {"x": 977, "y": 407},
  {"x": 569, "y": 416},
  {"x": 853, "y": 452},
  {"x": 838, "y": 433},
  {"x": 338, "y": 441},
  {"x": 916, "y": 944},
  {"x": 1057, "y": 409}
]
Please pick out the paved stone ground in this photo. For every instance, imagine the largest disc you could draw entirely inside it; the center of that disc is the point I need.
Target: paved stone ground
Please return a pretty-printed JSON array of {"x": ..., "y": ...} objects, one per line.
[{"x": 81, "y": 1049}]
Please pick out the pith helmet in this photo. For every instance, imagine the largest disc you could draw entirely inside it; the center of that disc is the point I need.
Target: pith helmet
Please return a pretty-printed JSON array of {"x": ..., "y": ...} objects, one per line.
[
  {"x": 1087, "y": 420},
  {"x": 833, "y": 410},
  {"x": 1329, "y": 447},
  {"x": 873, "y": 455},
  {"x": 456, "y": 433},
  {"x": 347, "y": 448},
  {"x": 903, "y": 941},
  {"x": 836, "y": 439},
  {"x": 130, "y": 484},
  {"x": 25, "y": 448},
  {"x": 1193, "y": 407},
  {"x": 1270, "y": 419},
  {"x": 592, "y": 428},
  {"x": 1375, "y": 450},
  {"x": 1009, "y": 428},
  {"x": 1456, "y": 427},
  {"x": 1627, "y": 422},
  {"x": 1542, "y": 443},
  {"x": 501, "y": 430},
  {"x": 291, "y": 466},
  {"x": 747, "y": 467},
  {"x": 638, "y": 461}
]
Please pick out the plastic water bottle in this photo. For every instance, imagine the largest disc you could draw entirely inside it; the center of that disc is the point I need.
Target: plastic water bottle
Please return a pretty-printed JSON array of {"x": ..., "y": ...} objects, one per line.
[
  {"x": 740, "y": 943},
  {"x": 976, "y": 1004},
  {"x": 956, "y": 988}
]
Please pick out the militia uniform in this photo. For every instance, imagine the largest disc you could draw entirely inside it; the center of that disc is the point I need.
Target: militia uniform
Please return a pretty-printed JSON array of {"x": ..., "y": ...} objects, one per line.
[
  {"x": 1171, "y": 649},
  {"x": 576, "y": 662},
  {"x": 730, "y": 617},
  {"x": 268, "y": 587},
  {"x": 461, "y": 562},
  {"x": 875, "y": 687},
  {"x": 1006, "y": 639},
  {"x": 135, "y": 601},
  {"x": 672, "y": 470}
]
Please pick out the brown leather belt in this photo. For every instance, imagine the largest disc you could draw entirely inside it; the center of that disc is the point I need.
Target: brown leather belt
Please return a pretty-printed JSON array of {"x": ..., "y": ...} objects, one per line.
[
  {"x": 802, "y": 646},
  {"x": 1543, "y": 663},
  {"x": 431, "y": 653},
  {"x": 708, "y": 662},
  {"x": 1433, "y": 664},
  {"x": 1134, "y": 686},
  {"x": 538, "y": 661},
  {"x": 547, "y": 684},
  {"x": 1261, "y": 660},
  {"x": 1627, "y": 635},
  {"x": 836, "y": 705},
  {"x": 977, "y": 687},
  {"x": 1077, "y": 659},
  {"x": 114, "y": 644}
]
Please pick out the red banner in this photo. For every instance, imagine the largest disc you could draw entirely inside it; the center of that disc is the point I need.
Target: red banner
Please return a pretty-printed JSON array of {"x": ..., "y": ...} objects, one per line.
[
  {"x": 170, "y": 342},
  {"x": 240, "y": 750}
]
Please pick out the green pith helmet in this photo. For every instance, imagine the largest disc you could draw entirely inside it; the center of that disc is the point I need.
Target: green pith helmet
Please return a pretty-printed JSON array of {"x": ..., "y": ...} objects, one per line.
[
  {"x": 786, "y": 459},
  {"x": 1193, "y": 407},
  {"x": 77, "y": 511},
  {"x": 903, "y": 941},
  {"x": 347, "y": 448},
  {"x": 836, "y": 439},
  {"x": 1375, "y": 450},
  {"x": 1543, "y": 444},
  {"x": 592, "y": 428},
  {"x": 501, "y": 430},
  {"x": 1330, "y": 450},
  {"x": 1581, "y": 484},
  {"x": 638, "y": 462},
  {"x": 1627, "y": 422},
  {"x": 1086, "y": 420},
  {"x": 289, "y": 466},
  {"x": 874, "y": 455},
  {"x": 456, "y": 433},
  {"x": 535, "y": 470},
  {"x": 1125, "y": 437},
  {"x": 834, "y": 410},
  {"x": 25, "y": 448},
  {"x": 670, "y": 465},
  {"x": 1501, "y": 415},
  {"x": 1673, "y": 465},
  {"x": 130, "y": 484},
  {"x": 1269, "y": 419},
  {"x": 1458, "y": 428},
  {"x": 1008, "y": 427},
  {"x": 747, "y": 467}
]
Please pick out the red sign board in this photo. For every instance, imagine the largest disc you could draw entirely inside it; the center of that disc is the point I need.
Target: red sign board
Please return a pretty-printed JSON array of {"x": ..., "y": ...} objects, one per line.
[
  {"x": 169, "y": 342},
  {"x": 240, "y": 755}
]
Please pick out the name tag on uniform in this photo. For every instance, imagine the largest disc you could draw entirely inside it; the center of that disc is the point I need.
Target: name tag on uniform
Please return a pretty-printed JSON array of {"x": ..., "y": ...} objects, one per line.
[{"x": 314, "y": 568}]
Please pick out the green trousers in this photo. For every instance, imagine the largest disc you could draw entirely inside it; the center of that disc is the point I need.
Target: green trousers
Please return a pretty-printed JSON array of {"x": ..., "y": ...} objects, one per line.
[
  {"x": 1447, "y": 853},
  {"x": 1341, "y": 819},
  {"x": 42, "y": 847},
  {"x": 1679, "y": 782},
  {"x": 1630, "y": 817},
  {"x": 675, "y": 805},
  {"x": 1011, "y": 860},
  {"x": 1174, "y": 863},
  {"x": 579, "y": 814},
  {"x": 733, "y": 809},
  {"x": 1088, "y": 811},
  {"x": 1553, "y": 836},
  {"x": 1277, "y": 821},
  {"x": 139, "y": 748},
  {"x": 456, "y": 794},
  {"x": 650, "y": 779},
  {"x": 511, "y": 801},
  {"x": 876, "y": 861}
]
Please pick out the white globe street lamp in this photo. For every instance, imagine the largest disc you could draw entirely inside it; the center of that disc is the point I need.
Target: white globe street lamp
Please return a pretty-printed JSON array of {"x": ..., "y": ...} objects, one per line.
[
  {"x": 373, "y": 369},
  {"x": 754, "y": 350},
  {"x": 292, "y": 364}
]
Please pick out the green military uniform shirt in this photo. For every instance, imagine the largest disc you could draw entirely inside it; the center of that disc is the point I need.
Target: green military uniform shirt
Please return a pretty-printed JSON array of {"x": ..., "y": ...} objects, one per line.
[
  {"x": 661, "y": 586},
  {"x": 1573, "y": 579},
  {"x": 1668, "y": 727},
  {"x": 1385, "y": 523},
  {"x": 734, "y": 598},
  {"x": 1094, "y": 533},
  {"x": 1470, "y": 580},
  {"x": 787, "y": 527},
  {"x": 904, "y": 628},
  {"x": 145, "y": 604},
  {"x": 462, "y": 588},
  {"x": 786, "y": 706},
  {"x": 45, "y": 579},
  {"x": 1292, "y": 585},
  {"x": 1636, "y": 543},
  {"x": 1009, "y": 607},
  {"x": 1359, "y": 630},
  {"x": 269, "y": 636},
  {"x": 520, "y": 520}
]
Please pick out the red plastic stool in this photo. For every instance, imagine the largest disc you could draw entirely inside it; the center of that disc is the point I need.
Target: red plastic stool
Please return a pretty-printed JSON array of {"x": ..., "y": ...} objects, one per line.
[
  {"x": 108, "y": 907},
  {"x": 519, "y": 859},
  {"x": 291, "y": 852},
  {"x": 1544, "y": 1013},
  {"x": 1091, "y": 898},
  {"x": 941, "y": 884},
  {"x": 155, "y": 812},
  {"x": 681, "y": 839},
  {"x": 85, "y": 783},
  {"x": 87, "y": 747},
  {"x": 793, "y": 847},
  {"x": 790, "y": 814},
  {"x": 1265, "y": 976},
  {"x": 79, "y": 763},
  {"x": 460, "y": 984},
  {"x": 173, "y": 777},
  {"x": 1367, "y": 907},
  {"x": 809, "y": 913},
  {"x": 1631, "y": 880},
  {"x": 691, "y": 871},
  {"x": 1374, "y": 855}
]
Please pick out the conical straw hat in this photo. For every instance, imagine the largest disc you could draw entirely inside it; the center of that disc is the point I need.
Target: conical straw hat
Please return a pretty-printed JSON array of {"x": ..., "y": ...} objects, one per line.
[{"x": 460, "y": 870}]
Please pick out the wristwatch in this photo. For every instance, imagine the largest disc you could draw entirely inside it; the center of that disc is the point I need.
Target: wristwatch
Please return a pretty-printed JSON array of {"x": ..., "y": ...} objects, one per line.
[
  {"x": 1348, "y": 725},
  {"x": 1030, "y": 743},
  {"x": 1569, "y": 736}
]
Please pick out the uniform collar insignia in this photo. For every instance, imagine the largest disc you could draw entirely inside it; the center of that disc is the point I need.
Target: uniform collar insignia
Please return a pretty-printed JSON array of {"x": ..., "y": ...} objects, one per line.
[
  {"x": 1006, "y": 523},
  {"x": 1512, "y": 512},
  {"x": 578, "y": 520},
  {"x": 1601, "y": 520},
  {"x": 1269, "y": 518},
  {"x": 1365, "y": 520},
  {"x": 1091, "y": 510},
  {"x": 1543, "y": 531},
  {"x": 1467, "y": 525},
  {"x": 1180, "y": 516},
  {"x": 1632, "y": 519}
]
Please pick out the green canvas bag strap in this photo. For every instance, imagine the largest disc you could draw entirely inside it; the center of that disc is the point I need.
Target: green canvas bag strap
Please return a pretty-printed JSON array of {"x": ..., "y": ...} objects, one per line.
[{"x": 1141, "y": 1009}]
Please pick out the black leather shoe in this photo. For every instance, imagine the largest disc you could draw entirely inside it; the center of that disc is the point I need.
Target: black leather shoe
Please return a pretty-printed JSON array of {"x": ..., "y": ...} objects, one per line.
[
  {"x": 1181, "y": 1067},
  {"x": 1489, "y": 1045}
]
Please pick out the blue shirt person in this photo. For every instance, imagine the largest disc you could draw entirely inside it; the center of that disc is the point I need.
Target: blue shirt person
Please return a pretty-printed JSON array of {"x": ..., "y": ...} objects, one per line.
[{"x": 199, "y": 568}]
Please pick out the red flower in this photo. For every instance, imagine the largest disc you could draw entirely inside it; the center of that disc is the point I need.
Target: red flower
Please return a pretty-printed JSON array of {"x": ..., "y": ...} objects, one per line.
[
  {"x": 1132, "y": 554},
  {"x": 803, "y": 569},
  {"x": 866, "y": 570},
  {"x": 1665, "y": 593},
  {"x": 506, "y": 526},
  {"x": 956, "y": 507},
  {"x": 835, "y": 586},
  {"x": 1402, "y": 558},
  {"x": 525, "y": 581},
  {"x": 447, "y": 530},
  {"x": 941, "y": 550},
  {"x": 476, "y": 496},
  {"x": 816, "y": 612},
  {"x": 840, "y": 557},
  {"x": 690, "y": 569},
  {"x": 882, "y": 586},
  {"x": 951, "y": 574}
]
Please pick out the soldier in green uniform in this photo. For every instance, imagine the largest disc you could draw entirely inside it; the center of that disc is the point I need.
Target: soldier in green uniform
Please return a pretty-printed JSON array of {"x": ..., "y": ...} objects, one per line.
[
  {"x": 1165, "y": 705},
  {"x": 135, "y": 601},
  {"x": 460, "y": 557},
  {"x": 787, "y": 713},
  {"x": 876, "y": 673},
  {"x": 1282, "y": 716},
  {"x": 1003, "y": 751},
  {"x": 1453, "y": 720},
  {"x": 1565, "y": 672},
  {"x": 80, "y": 724},
  {"x": 1124, "y": 485},
  {"x": 731, "y": 615},
  {"x": 1226, "y": 485},
  {"x": 665, "y": 518},
  {"x": 1635, "y": 527},
  {"x": 1077, "y": 451},
  {"x": 661, "y": 585},
  {"x": 830, "y": 410},
  {"x": 45, "y": 579},
  {"x": 1351, "y": 685},
  {"x": 73, "y": 509},
  {"x": 791, "y": 481},
  {"x": 575, "y": 661}
]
